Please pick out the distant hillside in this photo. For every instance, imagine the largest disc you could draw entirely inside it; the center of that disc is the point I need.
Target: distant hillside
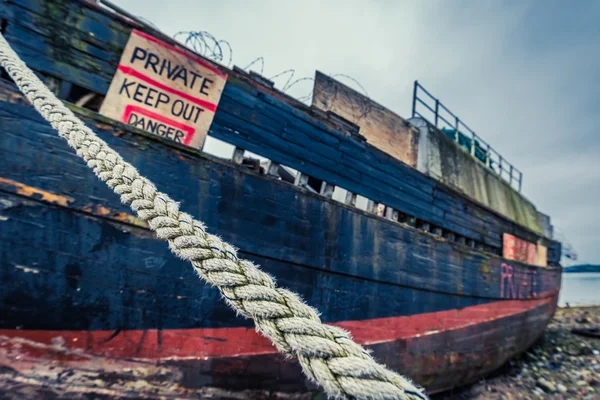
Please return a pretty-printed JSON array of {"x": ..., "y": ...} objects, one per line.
[{"x": 583, "y": 268}]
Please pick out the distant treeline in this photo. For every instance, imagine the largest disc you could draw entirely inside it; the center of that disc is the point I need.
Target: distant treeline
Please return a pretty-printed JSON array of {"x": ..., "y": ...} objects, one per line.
[{"x": 583, "y": 268}]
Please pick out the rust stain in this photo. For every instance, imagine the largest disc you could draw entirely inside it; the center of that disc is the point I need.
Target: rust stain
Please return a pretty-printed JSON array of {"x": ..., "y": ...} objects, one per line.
[
  {"x": 66, "y": 201},
  {"x": 11, "y": 97},
  {"x": 103, "y": 126},
  {"x": 36, "y": 193},
  {"x": 119, "y": 216}
]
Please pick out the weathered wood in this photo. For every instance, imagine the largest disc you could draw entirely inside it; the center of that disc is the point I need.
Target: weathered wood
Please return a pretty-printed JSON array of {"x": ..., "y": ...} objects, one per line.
[
  {"x": 371, "y": 206},
  {"x": 327, "y": 189},
  {"x": 86, "y": 283},
  {"x": 83, "y": 279},
  {"x": 301, "y": 180},
  {"x": 238, "y": 155},
  {"x": 280, "y": 129},
  {"x": 350, "y": 199},
  {"x": 187, "y": 178},
  {"x": 424, "y": 227},
  {"x": 381, "y": 127},
  {"x": 53, "y": 84},
  {"x": 273, "y": 168}
]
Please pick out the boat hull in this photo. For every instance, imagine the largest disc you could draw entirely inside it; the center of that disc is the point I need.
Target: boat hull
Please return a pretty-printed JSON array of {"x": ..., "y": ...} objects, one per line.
[
  {"x": 92, "y": 302},
  {"x": 142, "y": 363}
]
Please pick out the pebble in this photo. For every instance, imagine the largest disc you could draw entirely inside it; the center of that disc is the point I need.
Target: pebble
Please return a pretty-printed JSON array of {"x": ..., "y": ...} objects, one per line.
[
  {"x": 546, "y": 385},
  {"x": 139, "y": 372},
  {"x": 98, "y": 383},
  {"x": 560, "y": 366},
  {"x": 538, "y": 391},
  {"x": 141, "y": 385}
]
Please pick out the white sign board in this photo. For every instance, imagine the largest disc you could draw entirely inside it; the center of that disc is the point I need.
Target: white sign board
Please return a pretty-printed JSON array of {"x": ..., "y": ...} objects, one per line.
[{"x": 164, "y": 90}]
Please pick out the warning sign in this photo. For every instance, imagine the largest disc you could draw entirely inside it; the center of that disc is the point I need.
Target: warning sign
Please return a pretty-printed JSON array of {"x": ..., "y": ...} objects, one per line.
[{"x": 164, "y": 90}]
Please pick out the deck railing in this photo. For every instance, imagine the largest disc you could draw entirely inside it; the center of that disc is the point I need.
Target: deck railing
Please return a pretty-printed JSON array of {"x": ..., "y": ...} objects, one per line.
[{"x": 426, "y": 106}]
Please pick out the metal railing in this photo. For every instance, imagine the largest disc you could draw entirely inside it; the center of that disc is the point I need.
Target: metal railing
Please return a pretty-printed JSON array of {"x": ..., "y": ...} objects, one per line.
[{"x": 433, "y": 111}]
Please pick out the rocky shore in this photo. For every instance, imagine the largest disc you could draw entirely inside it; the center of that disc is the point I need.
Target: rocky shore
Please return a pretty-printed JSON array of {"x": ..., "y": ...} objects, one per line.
[{"x": 562, "y": 365}]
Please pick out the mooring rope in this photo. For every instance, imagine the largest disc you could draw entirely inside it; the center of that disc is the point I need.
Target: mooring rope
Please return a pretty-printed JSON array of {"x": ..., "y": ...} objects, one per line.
[{"x": 327, "y": 354}]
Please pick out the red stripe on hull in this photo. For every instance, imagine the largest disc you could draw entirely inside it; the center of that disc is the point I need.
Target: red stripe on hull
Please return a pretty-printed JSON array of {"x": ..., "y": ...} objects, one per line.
[
  {"x": 208, "y": 343},
  {"x": 389, "y": 329}
]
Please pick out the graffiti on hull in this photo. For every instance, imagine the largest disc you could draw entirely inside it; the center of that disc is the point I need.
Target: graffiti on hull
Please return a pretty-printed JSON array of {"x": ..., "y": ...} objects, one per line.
[{"x": 517, "y": 283}]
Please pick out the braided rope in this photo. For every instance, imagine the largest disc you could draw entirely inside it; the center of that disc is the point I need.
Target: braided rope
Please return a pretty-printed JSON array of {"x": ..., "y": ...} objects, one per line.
[{"x": 326, "y": 353}]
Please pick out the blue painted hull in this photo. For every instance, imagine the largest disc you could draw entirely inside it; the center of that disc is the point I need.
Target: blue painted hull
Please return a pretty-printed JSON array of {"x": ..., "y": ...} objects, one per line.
[
  {"x": 77, "y": 265},
  {"x": 89, "y": 293}
]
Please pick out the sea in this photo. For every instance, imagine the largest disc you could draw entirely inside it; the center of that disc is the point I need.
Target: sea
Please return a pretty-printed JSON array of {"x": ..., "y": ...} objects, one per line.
[{"x": 580, "y": 289}]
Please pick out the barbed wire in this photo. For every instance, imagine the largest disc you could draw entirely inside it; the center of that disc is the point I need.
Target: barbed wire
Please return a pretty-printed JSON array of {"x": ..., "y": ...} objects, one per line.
[
  {"x": 291, "y": 72},
  {"x": 257, "y": 59},
  {"x": 205, "y": 44}
]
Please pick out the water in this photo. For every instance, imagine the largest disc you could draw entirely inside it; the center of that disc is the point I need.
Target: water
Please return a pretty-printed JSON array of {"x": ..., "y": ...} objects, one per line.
[{"x": 580, "y": 289}]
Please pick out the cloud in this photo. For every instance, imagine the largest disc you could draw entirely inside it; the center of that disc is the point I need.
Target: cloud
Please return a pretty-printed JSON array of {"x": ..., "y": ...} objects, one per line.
[{"x": 522, "y": 74}]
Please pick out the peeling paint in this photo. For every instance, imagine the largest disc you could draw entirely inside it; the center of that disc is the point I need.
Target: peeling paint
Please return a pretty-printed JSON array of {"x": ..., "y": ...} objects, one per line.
[
  {"x": 11, "y": 97},
  {"x": 6, "y": 204},
  {"x": 119, "y": 216},
  {"x": 35, "y": 193},
  {"x": 27, "y": 270}
]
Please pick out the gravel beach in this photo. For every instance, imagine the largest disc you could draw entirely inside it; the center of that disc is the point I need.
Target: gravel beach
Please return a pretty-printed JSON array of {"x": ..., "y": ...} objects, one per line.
[{"x": 562, "y": 365}]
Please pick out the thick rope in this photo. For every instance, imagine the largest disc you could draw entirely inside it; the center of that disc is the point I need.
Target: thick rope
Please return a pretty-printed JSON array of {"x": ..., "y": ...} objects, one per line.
[{"x": 326, "y": 353}]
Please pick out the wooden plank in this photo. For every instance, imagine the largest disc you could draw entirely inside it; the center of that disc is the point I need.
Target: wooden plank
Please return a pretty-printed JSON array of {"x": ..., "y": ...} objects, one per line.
[
  {"x": 51, "y": 49},
  {"x": 391, "y": 260},
  {"x": 55, "y": 30},
  {"x": 78, "y": 16},
  {"x": 291, "y": 122},
  {"x": 383, "y": 129},
  {"x": 60, "y": 69}
]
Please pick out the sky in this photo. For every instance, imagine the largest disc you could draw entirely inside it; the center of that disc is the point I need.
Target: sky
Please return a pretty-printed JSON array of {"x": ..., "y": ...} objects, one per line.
[{"x": 524, "y": 74}]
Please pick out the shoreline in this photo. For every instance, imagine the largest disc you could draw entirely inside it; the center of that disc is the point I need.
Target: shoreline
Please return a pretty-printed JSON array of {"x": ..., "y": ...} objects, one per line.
[{"x": 560, "y": 365}]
